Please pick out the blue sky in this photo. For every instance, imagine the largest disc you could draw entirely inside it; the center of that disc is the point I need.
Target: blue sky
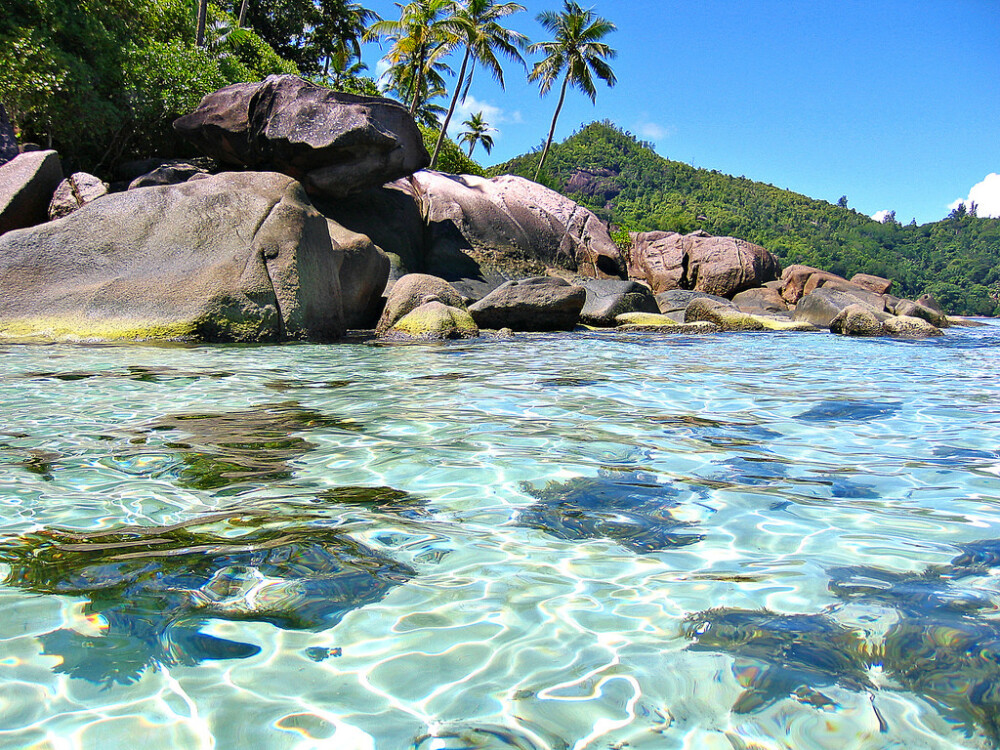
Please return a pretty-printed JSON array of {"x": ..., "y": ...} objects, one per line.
[{"x": 894, "y": 103}]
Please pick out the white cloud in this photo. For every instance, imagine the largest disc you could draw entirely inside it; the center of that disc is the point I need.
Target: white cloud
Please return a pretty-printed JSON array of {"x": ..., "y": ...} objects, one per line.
[
  {"x": 653, "y": 130},
  {"x": 882, "y": 215},
  {"x": 492, "y": 114},
  {"x": 986, "y": 196}
]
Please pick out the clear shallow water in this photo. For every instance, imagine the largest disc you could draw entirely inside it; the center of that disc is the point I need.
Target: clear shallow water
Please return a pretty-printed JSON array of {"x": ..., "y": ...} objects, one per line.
[{"x": 501, "y": 544}]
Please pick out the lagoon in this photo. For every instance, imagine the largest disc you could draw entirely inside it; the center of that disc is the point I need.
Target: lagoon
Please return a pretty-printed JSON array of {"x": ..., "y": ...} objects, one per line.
[{"x": 582, "y": 540}]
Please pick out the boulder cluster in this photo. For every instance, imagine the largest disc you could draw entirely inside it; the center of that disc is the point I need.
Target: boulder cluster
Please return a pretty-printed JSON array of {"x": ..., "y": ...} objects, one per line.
[{"x": 311, "y": 213}]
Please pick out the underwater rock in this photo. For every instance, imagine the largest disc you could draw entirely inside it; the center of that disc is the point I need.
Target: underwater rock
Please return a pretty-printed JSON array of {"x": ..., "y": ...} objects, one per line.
[
  {"x": 915, "y": 593},
  {"x": 953, "y": 662},
  {"x": 780, "y": 656},
  {"x": 226, "y": 448},
  {"x": 379, "y": 500},
  {"x": 750, "y": 470},
  {"x": 849, "y": 411},
  {"x": 153, "y": 589},
  {"x": 632, "y": 509}
]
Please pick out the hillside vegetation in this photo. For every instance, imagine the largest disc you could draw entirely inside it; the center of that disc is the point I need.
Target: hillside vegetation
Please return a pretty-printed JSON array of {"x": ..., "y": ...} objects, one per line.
[{"x": 628, "y": 184}]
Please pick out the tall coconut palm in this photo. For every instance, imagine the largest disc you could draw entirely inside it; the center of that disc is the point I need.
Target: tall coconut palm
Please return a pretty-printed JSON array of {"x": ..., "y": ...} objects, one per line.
[
  {"x": 342, "y": 44},
  {"x": 577, "y": 51},
  {"x": 424, "y": 33},
  {"x": 479, "y": 29},
  {"x": 478, "y": 132},
  {"x": 199, "y": 33}
]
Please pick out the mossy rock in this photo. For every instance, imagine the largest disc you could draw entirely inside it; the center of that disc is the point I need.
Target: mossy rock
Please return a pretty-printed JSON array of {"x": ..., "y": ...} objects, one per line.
[
  {"x": 645, "y": 319},
  {"x": 911, "y": 327},
  {"x": 434, "y": 321}
]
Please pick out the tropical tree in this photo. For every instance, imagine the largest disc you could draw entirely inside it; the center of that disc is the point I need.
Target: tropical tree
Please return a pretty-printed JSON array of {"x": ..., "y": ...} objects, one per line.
[
  {"x": 479, "y": 29},
  {"x": 478, "y": 131},
  {"x": 399, "y": 81},
  {"x": 577, "y": 53},
  {"x": 423, "y": 35},
  {"x": 339, "y": 41}
]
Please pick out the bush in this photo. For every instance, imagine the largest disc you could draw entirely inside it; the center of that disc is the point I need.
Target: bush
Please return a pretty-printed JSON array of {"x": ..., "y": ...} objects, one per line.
[{"x": 451, "y": 159}]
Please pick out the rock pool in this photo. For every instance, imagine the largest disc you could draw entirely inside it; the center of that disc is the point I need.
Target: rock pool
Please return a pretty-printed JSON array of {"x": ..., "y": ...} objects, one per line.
[{"x": 596, "y": 540}]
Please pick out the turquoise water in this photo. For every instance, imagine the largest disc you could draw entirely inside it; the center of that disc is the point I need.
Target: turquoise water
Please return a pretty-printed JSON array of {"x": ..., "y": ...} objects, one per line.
[{"x": 574, "y": 541}]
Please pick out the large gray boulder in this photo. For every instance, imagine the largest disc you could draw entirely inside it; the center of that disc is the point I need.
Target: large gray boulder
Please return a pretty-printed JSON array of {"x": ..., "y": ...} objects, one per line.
[
  {"x": 390, "y": 216},
  {"x": 857, "y": 320},
  {"x": 335, "y": 143},
  {"x": 513, "y": 224},
  {"x": 75, "y": 191},
  {"x": 412, "y": 291},
  {"x": 674, "y": 302},
  {"x": 536, "y": 304},
  {"x": 609, "y": 298},
  {"x": 364, "y": 270},
  {"x": 911, "y": 309},
  {"x": 236, "y": 257},
  {"x": 722, "y": 266},
  {"x": 821, "y": 306},
  {"x": 170, "y": 173},
  {"x": 761, "y": 301},
  {"x": 928, "y": 300},
  {"x": 877, "y": 284},
  {"x": 27, "y": 184},
  {"x": 728, "y": 317},
  {"x": 8, "y": 139}
]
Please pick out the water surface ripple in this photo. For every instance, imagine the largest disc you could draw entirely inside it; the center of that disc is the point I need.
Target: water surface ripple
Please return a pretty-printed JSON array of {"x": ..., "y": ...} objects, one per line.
[{"x": 554, "y": 541}]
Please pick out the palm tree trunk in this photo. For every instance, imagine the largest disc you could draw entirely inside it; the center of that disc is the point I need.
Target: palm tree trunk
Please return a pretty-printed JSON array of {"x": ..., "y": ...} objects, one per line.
[
  {"x": 451, "y": 108},
  {"x": 199, "y": 37},
  {"x": 472, "y": 145},
  {"x": 243, "y": 13},
  {"x": 418, "y": 74},
  {"x": 552, "y": 130}
]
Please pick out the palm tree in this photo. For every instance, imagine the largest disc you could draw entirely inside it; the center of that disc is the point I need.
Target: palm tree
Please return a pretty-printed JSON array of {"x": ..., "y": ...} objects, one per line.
[
  {"x": 480, "y": 31},
  {"x": 199, "y": 33},
  {"x": 577, "y": 51},
  {"x": 478, "y": 132},
  {"x": 344, "y": 41},
  {"x": 424, "y": 33}
]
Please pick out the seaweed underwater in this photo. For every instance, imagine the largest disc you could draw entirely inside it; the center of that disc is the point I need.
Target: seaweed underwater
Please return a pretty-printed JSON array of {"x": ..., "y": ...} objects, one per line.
[
  {"x": 943, "y": 643},
  {"x": 152, "y": 590}
]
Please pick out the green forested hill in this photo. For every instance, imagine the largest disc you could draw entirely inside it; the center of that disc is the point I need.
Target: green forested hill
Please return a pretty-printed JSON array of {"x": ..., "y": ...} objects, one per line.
[{"x": 627, "y": 183}]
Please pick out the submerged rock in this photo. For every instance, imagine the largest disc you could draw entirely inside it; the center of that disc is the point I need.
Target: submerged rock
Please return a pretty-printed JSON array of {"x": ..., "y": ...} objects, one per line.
[
  {"x": 632, "y": 509},
  {"x": 849, "y": 410},
  {"x": 223, "y": 449},
  {"x": 780, "y": 656},
  {"x": 154, "y": 589}
]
